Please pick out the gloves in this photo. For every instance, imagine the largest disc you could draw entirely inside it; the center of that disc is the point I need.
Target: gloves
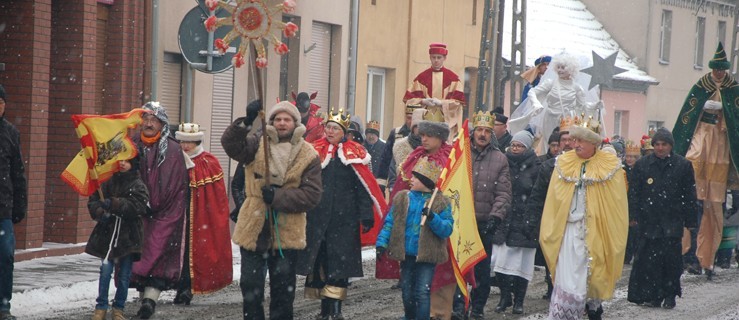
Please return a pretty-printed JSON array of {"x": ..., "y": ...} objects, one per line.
[
  {"x": 268, "y": 194},
  {"x": 252, "y": 112},
  {"x": 492, "y": 225},
  {"x": 538, "y": 108},
  {"x": 367, "y": 225},
  {"x": 105, "y": 204},
  {"x": 429, "y": 215},
  {"x": 379, "y": 251}
]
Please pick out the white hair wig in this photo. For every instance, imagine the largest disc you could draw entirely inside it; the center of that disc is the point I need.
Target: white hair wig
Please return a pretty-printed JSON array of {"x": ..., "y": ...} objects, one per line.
[{"x": 568, "y": 61}]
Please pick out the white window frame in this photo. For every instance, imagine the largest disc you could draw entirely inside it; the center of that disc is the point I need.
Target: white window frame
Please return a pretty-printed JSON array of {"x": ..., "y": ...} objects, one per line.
[
  {"x": 665, "y": 37},
  {"x": 700, "y": 41},
  {"x": 371, "y": 73},
  {"x": 653, "y": 125},
  {"x": 721, "y": 32},
  {"x": 617, "y": 122}
]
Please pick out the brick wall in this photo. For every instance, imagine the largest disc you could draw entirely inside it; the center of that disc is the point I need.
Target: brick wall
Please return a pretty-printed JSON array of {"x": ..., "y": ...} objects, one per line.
[{"x": 50, "y": 54}]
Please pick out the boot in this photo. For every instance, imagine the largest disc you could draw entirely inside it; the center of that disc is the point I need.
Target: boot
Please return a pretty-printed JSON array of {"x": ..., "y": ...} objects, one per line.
[
  {"x": 505, "y": 292},
  {"x": 519, "y": 294},
  {"x": 325, "y": 309},
  {"x": 99, "y": 314},
  {"x": 118, "y": 314},
  {"x": 709, "y": 274},
  {"x": 148, "y": 307},
  {"x": 335, "y": 309},
  {"x": 183, "y": 297},
  {"x": 550, "y": 287},
  {"x": 5, "y": 315},
  {"x": 594, "y": 314},
  {"x": 669, "y": 302}
]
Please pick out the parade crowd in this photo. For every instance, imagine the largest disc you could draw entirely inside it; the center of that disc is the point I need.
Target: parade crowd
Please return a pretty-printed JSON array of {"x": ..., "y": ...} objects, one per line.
[{"x": 311, "y": 190}]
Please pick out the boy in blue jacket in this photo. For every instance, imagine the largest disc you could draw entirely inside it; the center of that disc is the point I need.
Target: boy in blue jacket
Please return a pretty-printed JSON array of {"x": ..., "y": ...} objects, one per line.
[{"x": 419, "y": 248}]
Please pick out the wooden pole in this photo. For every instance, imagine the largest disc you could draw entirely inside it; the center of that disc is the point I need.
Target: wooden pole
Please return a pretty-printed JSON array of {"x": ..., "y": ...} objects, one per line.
[{"x": 428, "y": 205}]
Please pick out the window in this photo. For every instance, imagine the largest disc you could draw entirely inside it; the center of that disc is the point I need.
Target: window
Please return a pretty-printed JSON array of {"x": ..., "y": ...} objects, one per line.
[
  {"x": 376, "y": 95},
  {"x": 170, "y": 89},
  {"x": 617, "y": 118},
  {"x": 474, "y": 12},
  {"x": 665, "y": 35},
  {"x": 319, "y": 62},
  {"x": 652, "y": 126},
  {"x": 700, "y": 34},
  {"x": 721, "y": 32}
]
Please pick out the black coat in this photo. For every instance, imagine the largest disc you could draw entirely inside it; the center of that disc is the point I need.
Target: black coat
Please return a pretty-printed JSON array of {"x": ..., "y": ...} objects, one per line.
[
  {"x": 376, "y": 150},
  {"x": 13, "y": 184},
  {"x": 662, "y": 196},
  {"x": 521, "y": 227},
  {"x": 238, "y": 187},
  {"x": 129, "y": 198},
  {"x": 505, "y": 141},
  {"x": 335, "y": 223}
]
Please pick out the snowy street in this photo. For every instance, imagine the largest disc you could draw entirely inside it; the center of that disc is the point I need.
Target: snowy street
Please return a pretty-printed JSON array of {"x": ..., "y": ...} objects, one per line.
[{"x": 66, "y": 287}]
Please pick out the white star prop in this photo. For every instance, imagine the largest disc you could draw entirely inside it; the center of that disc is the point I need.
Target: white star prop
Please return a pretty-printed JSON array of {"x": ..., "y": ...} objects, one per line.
[{"x": 603, "y": 70}]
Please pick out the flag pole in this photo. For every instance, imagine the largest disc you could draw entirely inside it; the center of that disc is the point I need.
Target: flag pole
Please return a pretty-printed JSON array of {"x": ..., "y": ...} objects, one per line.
[{"x": 428, "y": 205}]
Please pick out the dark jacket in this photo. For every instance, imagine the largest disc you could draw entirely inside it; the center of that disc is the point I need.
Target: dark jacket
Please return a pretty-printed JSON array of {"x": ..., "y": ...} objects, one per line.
[
  {"x": 335, "y": 223},
  {"x": 491, "y": 182},
  {"x": 13, "y": 184},
  {"x": 128, "y": 200},
  {"x": 535, "y": 202},
  {"x": 238, "y": 191},
  {"x": 387, "y": 155},
  {"x": 505, "y": 141},
  {"x": 662, "y": 196},
  {"x": 521, "y": 227},
  {"x": 375, "y": 150}
]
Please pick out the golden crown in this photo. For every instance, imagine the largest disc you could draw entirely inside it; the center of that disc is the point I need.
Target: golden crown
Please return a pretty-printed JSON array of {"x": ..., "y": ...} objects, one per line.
[
  {"x": 428, "y": 169},
  {"x": 339, "y": 118},
  {"x": 483, "y": 119},
  {"x": 590, "y": 124},
  {"x": 567, "y": 122},
  {"x": 632, "y": 148},
  {"x": 373, "y": 124},
  {"x": 411, "y": 107}
]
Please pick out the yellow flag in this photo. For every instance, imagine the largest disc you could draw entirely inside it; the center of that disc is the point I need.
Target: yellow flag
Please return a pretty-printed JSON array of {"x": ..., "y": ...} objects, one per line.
[{"x": 465, "y": 245}]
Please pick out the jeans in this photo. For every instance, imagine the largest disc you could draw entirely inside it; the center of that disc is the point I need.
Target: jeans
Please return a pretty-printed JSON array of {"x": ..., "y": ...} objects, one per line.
[
  {"x": 417, "y": 277},
  {"x": 122, "y": 280},
  {"x": 281, "y": 283},
  {"x": 7, "y": 258}
]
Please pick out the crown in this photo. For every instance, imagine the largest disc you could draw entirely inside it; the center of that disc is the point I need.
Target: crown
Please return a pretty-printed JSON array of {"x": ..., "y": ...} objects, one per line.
[
  {"x": 373, "y": 124},
  {"x": 590, "y": 124},
  {"x": 567, "y": 122},
  {"x": 339, "y": 118},
  {"x": 428, "y": 169},
  {"x": 189, "y": 132},
  {"x": 411, "y": 107},
  {"x": 632, "y": 148},
  {"x": 483, "y": 119}
]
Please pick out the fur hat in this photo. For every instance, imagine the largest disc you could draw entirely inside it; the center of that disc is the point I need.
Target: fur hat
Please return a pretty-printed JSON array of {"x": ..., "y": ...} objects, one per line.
[
  {"x": 524, "y": 137},
  {"x": 284, "y": 106},
  {"x": 665, "y": 135},
  {"x": 719, "y": 61},
  {"x": 434, "y": 129},
  {"x": 189, "y": 132},
  {"x": 2, "y": 93}
]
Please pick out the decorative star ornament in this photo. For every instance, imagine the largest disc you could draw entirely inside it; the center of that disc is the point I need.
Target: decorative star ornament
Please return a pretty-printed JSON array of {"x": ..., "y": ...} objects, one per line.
[
  {"x": 253, "y": 21},
  {"x": 603, "y": 70}
]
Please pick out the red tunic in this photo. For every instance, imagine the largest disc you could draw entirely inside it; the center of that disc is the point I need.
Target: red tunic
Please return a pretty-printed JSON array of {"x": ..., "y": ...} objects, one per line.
[
  {"x": 314, "y": 129},
  {"x": 422, "y": 87},
  {"x": 211, "y": 266},
  {"x": 354, "y": 154}
]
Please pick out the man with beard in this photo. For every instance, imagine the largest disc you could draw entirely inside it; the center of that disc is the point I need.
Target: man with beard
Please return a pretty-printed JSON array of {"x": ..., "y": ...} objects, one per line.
[
  {"x": 403, "y": 131},
  {"x": 491, "y": 184},
  {"x": 662, "y": 199},
  {"x": 584, "y": 225},
  {"x": 309, "y": 116},
  {"x": 535, "y": 203},
  {"x": 163, "y": 170},
  {"x": 333, "y": 253},
  {"x": 270, "y": 229}
]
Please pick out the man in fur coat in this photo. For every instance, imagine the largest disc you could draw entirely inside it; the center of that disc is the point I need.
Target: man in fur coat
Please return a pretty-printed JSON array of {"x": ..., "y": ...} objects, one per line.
[{"x": 271, "y": 224}]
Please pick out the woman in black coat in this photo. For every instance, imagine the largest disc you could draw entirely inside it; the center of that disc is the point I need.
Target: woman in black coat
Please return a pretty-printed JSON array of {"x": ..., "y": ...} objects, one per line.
[{"x": 514, "y": 244}]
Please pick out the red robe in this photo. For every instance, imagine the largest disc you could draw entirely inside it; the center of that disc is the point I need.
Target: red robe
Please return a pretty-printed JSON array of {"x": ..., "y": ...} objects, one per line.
[
  {"x": 448, "y": 89},
  {"x": 211, "y": 266},
  {"x": 354, "y": 154},
  {"x": 390, "y": 269},
  {"x": 314, "y": 129}
]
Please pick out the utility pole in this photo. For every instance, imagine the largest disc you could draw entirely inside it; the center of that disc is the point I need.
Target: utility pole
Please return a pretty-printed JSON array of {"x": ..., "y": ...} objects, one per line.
[
  {"x": 518, "y": 51},
  {"x": 484, "y": 69}
]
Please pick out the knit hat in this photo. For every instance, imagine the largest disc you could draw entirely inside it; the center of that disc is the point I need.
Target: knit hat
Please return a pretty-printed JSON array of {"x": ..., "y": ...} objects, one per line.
[
  {"x": 438, "y": 48},
  {"x": 434, "y": 129},
  {"x": 665, "y": 135},
  {"x": 524, "y": 137},
  {"x": 499, "y": 116},
  {"x": 189, "y": 132},
  {"x": 618, "y": 145},
  {"x": 719, "y": 61},
  {"x": 2, "y": 93},
  {"x": 427, "y": 172},
  {"x": 284, "y": 106},
  {"x": 554, "y": 137}
]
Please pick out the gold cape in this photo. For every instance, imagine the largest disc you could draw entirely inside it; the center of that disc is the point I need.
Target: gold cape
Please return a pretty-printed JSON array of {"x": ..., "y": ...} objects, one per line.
[{"x": 606, "y": 214}]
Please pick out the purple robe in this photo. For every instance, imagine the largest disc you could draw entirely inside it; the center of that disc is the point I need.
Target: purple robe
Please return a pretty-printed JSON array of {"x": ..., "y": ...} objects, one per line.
[{"x": 164, "y": 230}]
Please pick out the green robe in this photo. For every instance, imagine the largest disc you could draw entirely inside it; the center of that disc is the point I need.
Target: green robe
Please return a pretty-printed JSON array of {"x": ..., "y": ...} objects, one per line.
[{"x": 692, "y": 109}]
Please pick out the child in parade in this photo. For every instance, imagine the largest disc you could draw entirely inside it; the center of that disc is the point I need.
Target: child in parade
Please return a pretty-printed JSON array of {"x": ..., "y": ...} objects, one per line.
[
  {"x": 118, "y": 236},
  {"x": 419, "y": 247}
]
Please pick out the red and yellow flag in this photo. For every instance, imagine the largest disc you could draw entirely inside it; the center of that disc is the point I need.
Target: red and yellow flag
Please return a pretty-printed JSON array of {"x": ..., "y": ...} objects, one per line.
[
  {"x": 465, "y": 245},
  {"x": 105, "y": 141}
]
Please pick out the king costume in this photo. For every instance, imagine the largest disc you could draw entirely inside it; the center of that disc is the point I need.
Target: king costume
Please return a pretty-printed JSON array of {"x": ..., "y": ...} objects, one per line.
[
  {"x": 707, "y": 133},
  {"x": 583, "y": 231}
]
